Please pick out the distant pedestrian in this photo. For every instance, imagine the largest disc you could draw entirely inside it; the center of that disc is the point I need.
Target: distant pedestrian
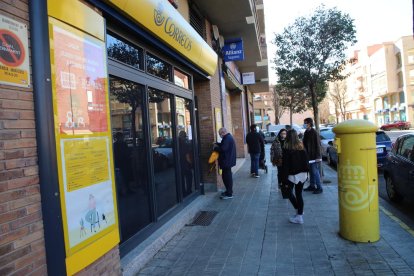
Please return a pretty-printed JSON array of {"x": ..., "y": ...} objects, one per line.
[
  {"x": 276, "y": 153},
  {"x": 255, "y": 144},
  {"x": 295, "y": 169},
  {"x": 312, "y": 144},
  {"x": 227, "y": 160}
]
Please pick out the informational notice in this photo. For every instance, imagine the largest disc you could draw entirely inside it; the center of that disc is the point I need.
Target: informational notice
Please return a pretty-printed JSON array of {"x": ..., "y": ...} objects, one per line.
[
  {"x": 88, "y": 187},
  {"x": 14, "y": 55},
  {"x": 83, "y": 144},
  {"x": 81, "y": 80}
]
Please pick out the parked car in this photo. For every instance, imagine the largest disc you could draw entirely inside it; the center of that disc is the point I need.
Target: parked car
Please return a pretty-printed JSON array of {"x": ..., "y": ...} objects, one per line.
[
  {"x": 396, "y": 125},
  {"x": 399, "y": 169},
  {"x": 270, "y": 136},
  {"x": 326, "y": 135},
  {"x": 383, "y": 143},
  {"x": 277, "y": 128}
]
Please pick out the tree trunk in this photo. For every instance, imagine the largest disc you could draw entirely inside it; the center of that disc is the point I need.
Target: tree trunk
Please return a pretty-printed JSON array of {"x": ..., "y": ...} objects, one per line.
[
  {"x": 314, "y": 106},
  {"x": 291, "y": 116}
]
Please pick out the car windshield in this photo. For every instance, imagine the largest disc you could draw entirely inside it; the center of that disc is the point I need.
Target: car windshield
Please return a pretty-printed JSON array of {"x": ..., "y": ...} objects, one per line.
[
  {"x": 327, "y": 134},
  {"x": 382, "y": 137}
]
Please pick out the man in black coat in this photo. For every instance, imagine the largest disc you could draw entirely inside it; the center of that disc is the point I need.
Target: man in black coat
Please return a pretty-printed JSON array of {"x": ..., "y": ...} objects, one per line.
[
  {"x": 255, "y": 144},
  {"x": 227, "y": 160},
  {"x": 312, "y": 144}
]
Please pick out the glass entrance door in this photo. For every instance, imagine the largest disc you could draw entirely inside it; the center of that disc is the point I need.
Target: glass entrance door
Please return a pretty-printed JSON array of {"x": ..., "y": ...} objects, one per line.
[{"x": 131, "y": 171}]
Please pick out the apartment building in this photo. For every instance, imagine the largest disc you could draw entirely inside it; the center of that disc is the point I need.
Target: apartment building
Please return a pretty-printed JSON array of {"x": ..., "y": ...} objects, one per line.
[
  {"x": 109, "y": 112},
  {"x": 380, "y": 83}
]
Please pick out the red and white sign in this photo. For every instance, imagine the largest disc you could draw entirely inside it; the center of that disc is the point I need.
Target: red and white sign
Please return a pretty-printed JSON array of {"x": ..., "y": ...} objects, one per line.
[{"x": 14, "y": 57}]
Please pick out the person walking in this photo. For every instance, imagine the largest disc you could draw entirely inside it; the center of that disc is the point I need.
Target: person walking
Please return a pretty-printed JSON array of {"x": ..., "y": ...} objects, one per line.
[
  {"x": 295, "y": 167},
  {"x": 276, "y": 153},
  {"x": 312, "y": 144},
  {"x": 227, "y": 160},
  {"x": 255, "y": 143}
]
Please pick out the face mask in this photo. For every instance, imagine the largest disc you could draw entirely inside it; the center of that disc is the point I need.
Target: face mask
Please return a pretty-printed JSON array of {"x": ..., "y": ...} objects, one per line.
[{"x": 305, "y": 125}]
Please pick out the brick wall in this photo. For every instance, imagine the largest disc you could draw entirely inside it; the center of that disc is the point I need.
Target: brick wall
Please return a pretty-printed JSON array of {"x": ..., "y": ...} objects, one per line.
[
  {"x": 237, "y": 121},
  {"x": 22, "y": 250},
  {"x": 208, "y": 94}
]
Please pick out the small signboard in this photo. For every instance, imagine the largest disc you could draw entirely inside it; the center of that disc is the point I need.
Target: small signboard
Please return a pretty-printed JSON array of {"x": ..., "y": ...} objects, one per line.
[
  {"x": 248, "y": 78},
  {"x": 233, "y": 50},
  {"x": 14, "y": 55}
]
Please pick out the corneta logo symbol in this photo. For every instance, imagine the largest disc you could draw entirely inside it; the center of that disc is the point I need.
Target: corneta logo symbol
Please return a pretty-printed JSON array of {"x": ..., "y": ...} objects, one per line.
[
  {"x": 233, "y": 46},
  {"x": 171, "y": 27},
  {"x": 158, "y": 17}
]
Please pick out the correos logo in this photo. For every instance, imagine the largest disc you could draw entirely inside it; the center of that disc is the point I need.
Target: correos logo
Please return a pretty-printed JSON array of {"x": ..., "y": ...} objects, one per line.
[{"x": 171, "y": 28}]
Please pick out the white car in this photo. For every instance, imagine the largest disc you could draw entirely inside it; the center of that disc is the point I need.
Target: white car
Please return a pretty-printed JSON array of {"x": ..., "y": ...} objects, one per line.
[{"x": 326, "y": 135}]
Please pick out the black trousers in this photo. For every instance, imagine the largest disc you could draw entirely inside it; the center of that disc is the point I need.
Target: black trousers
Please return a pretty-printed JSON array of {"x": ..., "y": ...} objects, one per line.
[
  {"x": 227, "y": 177},
  {"x": 296, "y": 199}
]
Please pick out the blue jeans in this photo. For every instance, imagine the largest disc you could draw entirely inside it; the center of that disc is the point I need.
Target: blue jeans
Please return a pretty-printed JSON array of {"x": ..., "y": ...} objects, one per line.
[
  {"x": 254, "y": 165},
  {"x": 315, "y": 178}
]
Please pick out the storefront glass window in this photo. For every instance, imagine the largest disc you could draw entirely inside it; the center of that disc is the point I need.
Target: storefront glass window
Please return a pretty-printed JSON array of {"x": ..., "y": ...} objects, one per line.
[
  {"x": 185, "y": 145},
  {"x": 181, "y": 79},
  {"x": 126, "y": 98},
  {"x": 162, "y": 141},
  {"x": 158, "y": 67},
  {"x": 124, "y": 52}
]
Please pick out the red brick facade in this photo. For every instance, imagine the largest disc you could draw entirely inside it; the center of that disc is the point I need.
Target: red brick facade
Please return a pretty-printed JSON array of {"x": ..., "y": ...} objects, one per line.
[{"x": 22, "y": 249}]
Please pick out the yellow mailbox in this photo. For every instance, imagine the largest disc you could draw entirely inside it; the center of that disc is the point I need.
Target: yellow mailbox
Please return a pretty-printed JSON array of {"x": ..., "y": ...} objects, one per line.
[{"x": 357, "y": 180}]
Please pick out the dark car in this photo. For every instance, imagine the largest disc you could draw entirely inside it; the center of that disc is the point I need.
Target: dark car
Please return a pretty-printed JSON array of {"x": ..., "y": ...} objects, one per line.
[
  {"x": 383, "y": 143},
  {"x": 399, "y": 169},
  {"x": 396, "y": 125}
]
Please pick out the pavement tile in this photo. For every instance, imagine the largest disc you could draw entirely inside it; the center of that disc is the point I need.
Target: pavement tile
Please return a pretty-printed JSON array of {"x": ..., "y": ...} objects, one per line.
[{"x": 251, "y": 235}]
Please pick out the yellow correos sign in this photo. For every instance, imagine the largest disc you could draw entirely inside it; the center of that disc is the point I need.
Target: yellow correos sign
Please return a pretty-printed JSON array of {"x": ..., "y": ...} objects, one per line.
[{"x": 160, "y": 18}]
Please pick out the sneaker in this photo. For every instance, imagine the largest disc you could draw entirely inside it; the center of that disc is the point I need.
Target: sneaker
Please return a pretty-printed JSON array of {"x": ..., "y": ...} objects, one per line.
[
  {"x": 309, "y": 189},
  {"x": 223, "y": 194},
  {"x": 298, "y": 219},
  {"x": 226, "y": 197},
  {"x": 256, "y": 176},
  {"x": 318, "y": 191}
]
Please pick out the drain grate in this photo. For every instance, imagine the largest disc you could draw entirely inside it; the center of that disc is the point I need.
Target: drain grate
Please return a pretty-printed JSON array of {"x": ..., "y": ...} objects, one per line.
[{"x": 203, "y": 218}]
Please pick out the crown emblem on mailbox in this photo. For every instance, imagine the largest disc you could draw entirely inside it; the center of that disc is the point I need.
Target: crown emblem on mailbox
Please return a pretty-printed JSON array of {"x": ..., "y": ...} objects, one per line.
[{"x": 352, "y": 174}]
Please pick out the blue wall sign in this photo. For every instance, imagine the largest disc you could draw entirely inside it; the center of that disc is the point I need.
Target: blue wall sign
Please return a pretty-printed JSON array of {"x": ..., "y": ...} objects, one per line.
[{"x": 233, "y": 50}]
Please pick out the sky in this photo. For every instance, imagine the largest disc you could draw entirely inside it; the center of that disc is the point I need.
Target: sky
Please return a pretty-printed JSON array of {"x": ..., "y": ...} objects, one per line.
[{"x": 376, "y": 21}]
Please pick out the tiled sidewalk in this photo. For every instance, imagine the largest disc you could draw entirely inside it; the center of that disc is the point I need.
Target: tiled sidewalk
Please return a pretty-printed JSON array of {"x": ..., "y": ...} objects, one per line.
[{"x": 251, "y": 235}]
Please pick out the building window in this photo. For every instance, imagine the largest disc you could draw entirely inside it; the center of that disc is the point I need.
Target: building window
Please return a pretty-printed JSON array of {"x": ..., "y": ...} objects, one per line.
[
  {"x": 181, "y": 79},
  {"x": 402, "y": 98},
  {"x": 400, "y": 79},
  {"x": 411, "y": 56},
  {"x": 162, "y": 140},
  {"x": 158, "y": 67},
  {"x": 398, "y": 57},
  {"x": 197, "y": 21},
  {"x": 185, "y": 145},
  {"x": 411, "y": 74},
  {"x": 124, "y": 52}
]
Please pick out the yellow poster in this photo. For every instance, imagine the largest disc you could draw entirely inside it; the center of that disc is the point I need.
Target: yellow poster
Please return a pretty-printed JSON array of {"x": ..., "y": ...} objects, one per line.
[
  {"x": 83, "y": 144},
  {"x": 14, "y": 54},
  {"x": 86, "y": 163},
  {"x": 88, "y": 187}
]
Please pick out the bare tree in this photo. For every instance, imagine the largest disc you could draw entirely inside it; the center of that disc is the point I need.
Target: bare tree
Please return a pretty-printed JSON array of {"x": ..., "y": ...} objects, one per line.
[
  {"x": 292, "y": 99},
  {"x": 338, "y": 94},
  {"x": 324, "y": 111},
  {"x": 279, "y": 110}
]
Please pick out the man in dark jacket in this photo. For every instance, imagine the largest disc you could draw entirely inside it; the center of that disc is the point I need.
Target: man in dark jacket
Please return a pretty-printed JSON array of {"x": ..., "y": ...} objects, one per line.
[
  {"x": 227, "y": 160},
  {"x": 255, "y": 144},
  {"x": 312, "y": 144}
]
